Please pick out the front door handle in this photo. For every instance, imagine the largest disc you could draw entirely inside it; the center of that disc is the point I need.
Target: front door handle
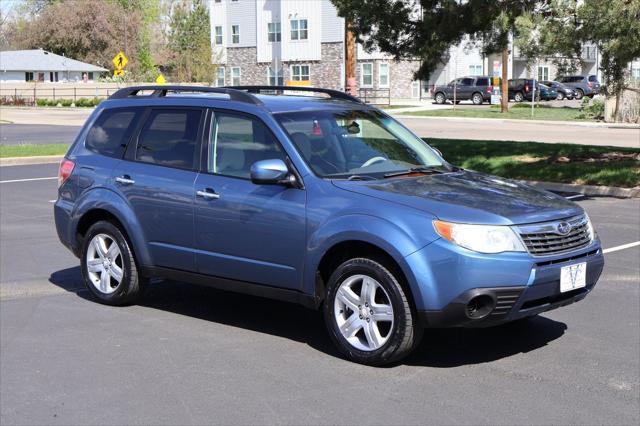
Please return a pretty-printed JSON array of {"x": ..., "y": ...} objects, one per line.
[
  {"x": 125, "y": 180},
  {"x": 208, "y": 194}
]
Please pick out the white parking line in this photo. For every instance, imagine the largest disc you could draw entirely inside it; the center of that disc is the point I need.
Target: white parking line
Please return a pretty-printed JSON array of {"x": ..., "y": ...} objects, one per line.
[
  {"x": 622, "y": 247},
  {"x": 27, "y": 180}
]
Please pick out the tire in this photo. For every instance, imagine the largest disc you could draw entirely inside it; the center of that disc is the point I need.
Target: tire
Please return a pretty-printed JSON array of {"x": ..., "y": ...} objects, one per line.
[
  {"x": 560, "y": 96},
  {"x": 364, "y": 339},
  {"x": 518, "y": 97},
  {"x": 440, "y": 98},
  {"x": 100, "y": 257},
  {"x": 579, "y": 94},
  {"x": 477, "y": 98}
]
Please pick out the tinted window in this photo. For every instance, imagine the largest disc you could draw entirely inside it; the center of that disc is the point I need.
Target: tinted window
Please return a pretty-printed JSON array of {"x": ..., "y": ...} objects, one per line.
[
  {"x": 237, "y": 142},
  {"x": 593, "y": 78},
  {"x": 170, "y": 138},
  {"x": 482, "y": 82},
  {"x": 111, "y": 131},
  {"x": 466, "y": 82}
]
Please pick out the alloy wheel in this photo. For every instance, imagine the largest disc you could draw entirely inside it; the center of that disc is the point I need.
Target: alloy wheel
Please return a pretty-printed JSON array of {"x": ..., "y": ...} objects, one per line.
[
  {"x": 104, "y": 263},
  {"x": 363, "y": 312}
]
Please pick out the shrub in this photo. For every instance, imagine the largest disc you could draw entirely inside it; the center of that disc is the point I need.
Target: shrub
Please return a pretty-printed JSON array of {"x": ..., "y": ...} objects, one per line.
[{"x": 592, "y": 109}]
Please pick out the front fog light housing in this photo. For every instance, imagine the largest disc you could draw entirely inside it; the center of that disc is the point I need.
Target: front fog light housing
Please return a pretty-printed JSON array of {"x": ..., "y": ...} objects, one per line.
[{"x": 480, "y": 238}]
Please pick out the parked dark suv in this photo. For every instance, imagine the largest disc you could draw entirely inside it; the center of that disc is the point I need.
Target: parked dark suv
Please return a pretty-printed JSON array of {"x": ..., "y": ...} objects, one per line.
[
  {"x": 583, "y": 85},
  {"x": 522, "y": 89},
  {"x": 319, "y": 200},
  {"x": 476, "y": 89}
]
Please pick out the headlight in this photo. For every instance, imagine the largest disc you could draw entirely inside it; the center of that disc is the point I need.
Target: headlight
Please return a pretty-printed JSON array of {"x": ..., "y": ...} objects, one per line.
[
  {"x": 592, "y": 232},
  {"x": 480, "y": 238}
]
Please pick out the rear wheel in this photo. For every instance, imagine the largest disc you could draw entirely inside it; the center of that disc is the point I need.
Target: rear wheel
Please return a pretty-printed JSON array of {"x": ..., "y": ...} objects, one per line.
[
  {"x": 440, "y": 98},
  {"x": 579, "y": 94},
  {"x": 518, "y": 97},
  {"x": 477, "y": 98},
  {"x": 108, "y": 266},
  {"x": 560, "y": 96},
  {"x": 368, "y": 315}
]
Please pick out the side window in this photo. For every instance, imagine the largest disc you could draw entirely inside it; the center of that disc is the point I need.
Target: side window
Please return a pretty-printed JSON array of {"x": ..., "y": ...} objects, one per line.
[
  {"x": 482, "y": 82},
  {"x": 593, "y": 78},
  {"x": 466, "y": 82},
  {"x": 111, "y": 131},
  {"x": 170, "y": 138},
  {"x": 237, "y": 142}
]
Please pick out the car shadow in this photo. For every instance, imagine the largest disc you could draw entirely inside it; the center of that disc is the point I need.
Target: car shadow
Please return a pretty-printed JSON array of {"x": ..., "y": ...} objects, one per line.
[{"x": 440, "y": 348}]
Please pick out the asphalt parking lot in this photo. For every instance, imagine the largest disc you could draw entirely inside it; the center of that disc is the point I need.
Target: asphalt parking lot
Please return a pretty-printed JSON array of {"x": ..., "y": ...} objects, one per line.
[{"x": 192, "y": 355}]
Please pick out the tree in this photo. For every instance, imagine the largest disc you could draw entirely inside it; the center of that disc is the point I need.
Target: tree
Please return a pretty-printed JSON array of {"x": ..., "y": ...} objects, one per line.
[
  {"x": 426, "y": 29},
  {"x": 189, "y": 42},
  {"x": 564, "y": 26}
]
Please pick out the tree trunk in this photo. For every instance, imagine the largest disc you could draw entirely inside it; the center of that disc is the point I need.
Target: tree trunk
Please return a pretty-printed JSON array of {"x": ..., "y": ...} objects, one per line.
[
  {"x": 504, "y": 101},
  {"x": 616, "y": 110}
]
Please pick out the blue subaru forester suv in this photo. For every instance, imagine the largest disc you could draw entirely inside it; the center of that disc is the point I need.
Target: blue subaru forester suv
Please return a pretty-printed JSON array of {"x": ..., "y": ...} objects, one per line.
[{"x": 320, "y": 200}]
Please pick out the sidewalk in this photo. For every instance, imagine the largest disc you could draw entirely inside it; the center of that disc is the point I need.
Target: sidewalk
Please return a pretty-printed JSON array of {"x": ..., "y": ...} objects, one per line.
[{"x": 45, "y": 115}]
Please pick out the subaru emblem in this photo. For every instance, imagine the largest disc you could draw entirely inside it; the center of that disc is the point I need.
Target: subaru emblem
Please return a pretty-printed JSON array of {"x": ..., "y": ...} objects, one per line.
[{"x": 563, "y": 228}]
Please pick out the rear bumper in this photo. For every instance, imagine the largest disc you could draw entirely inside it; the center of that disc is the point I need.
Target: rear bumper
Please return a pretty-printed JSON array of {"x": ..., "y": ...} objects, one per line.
[{"x": 515, "y": 302}]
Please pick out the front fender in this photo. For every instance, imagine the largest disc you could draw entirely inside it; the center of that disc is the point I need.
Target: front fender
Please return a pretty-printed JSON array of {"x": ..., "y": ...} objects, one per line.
[
  {"x": 382, "y": 233},
  {"x": 105, "y": 199}
]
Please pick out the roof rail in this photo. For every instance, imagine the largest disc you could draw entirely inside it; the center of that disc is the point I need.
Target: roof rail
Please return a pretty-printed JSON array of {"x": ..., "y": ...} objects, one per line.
[
  {"x": 335, "y": 94},
  {"x": 160, "y": 91}
]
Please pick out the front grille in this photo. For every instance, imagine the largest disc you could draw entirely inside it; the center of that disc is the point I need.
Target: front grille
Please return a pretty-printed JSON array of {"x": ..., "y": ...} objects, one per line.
[{"x": 545, "y": 239}]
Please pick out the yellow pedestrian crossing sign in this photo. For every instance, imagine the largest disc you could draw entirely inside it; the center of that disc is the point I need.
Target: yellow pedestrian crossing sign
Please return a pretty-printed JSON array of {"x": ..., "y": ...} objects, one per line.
[
  {"x": 118, "y": 73},
  {"x": 119, "y": 61},
  {"x": 160, "y": 79}
]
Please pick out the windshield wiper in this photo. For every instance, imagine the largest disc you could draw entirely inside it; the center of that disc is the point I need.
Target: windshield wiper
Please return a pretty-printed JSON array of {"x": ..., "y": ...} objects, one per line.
[
  {"x": 421, "y": 169},
  {"x": 360, "y": 177}
]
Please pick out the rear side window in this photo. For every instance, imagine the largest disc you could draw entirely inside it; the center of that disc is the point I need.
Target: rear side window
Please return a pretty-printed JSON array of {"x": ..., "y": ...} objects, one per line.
[
  {"x": 482, "y": 82},
  {"x": 111, "y": 131},
  {"x": 593, "y": 78},
  {"x": 170, "y": 138}
]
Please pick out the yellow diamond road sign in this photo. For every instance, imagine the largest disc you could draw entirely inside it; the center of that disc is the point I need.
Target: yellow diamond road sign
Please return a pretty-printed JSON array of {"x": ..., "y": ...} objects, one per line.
[
  {"x": 119, "y": 61},
  {"x": 118, "y": 73},
  {"x": 161, "y": 79}
]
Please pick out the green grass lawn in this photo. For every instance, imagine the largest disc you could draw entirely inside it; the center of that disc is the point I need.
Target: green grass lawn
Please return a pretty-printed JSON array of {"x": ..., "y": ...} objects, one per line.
[
  {"x": 550, "y": 162},
  {"x": 544, "y": 161},
  {"x": 515, "y": 112},
  {"x": 32, "y": 150}
]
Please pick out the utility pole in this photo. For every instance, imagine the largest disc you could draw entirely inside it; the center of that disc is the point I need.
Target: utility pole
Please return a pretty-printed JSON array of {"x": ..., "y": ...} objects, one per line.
[
  {"x": 350, "y": 61},
  {"x": 504, "y": 101}
]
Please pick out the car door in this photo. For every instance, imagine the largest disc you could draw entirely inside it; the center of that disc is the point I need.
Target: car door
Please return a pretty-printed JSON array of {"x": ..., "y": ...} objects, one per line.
[
  {"x": 157, "y": 177},
  {"x": 465, "y": 89},
  {"x": 244, "y": 231}
]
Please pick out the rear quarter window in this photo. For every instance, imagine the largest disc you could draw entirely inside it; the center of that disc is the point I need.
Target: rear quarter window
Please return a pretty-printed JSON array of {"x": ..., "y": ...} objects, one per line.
[
  {"x": 482, "y": 82},
  {"x": 111, "y": 131}
]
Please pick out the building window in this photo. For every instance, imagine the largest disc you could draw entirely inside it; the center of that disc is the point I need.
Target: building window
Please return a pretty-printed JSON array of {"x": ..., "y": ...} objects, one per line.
[
  {"x": 475, "y": 69},
  {"x": 543, "y": 73},
  {"x": 300, "y": 72},
  {"x": 273, "y": 29},
  {"x": 235, "y": 76},
  {"x": 383, "y": 75},
  {"x": 299, "y": 29},
  {"x": 218, "y": 1},
  {"x": 28, "y": 76},
  {"x": 218, "y": 36},
  {"x": 89, "y": 76},
  {"x": 219, "y": 76},
  {"x": 366, "y": 75},
  {"x": 235, "y": 34},
  {"x": 635, "y": 73},
  {"x": 274, "y": 77}
]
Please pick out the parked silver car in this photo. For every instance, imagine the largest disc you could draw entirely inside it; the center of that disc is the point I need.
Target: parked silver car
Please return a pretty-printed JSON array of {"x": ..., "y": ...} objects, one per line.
[{"x": 583, "y": 85}]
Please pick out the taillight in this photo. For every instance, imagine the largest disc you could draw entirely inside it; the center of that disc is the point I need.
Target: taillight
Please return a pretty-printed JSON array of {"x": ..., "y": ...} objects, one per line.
[
  {"x": 66, "y": 167},
  {"x": 590, "y": 84},
  {"x": 489, "y": 89},
  {"x": 526, "y": 87}
]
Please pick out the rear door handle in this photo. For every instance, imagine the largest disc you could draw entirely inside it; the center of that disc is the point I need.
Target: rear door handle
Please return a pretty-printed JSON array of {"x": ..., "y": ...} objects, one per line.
[
  {"x": 125, "y": 180},
  {"x": 208, "y": 194}
]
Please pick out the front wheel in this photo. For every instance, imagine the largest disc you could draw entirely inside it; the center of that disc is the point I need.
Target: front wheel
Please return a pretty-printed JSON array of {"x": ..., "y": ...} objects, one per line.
[
  {"x": 108, "y": 266},
  {"x": 368, "y": 315},
  {"x": 560, "y": 96},
  {"x": 440, "y": 98}
]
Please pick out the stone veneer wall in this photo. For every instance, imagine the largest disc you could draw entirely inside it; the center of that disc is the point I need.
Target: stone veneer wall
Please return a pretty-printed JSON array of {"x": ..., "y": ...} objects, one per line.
[
  {"x": 400, "y": 76},
  {"x": 324, "y": 73}
]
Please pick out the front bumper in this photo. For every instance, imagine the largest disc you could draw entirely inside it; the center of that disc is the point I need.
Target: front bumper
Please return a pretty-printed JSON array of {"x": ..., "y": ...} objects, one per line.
[{"x": 517, "y": 285}]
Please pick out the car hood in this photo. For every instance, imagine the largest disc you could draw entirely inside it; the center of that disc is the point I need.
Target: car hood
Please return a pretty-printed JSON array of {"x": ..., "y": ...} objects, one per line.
[{"x": 468, "y": 197}]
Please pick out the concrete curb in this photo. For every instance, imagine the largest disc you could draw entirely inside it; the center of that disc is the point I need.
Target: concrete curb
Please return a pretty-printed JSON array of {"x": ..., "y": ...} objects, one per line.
[
  {"x": 516, "y": 120},
  {"x": 24, "y": 161},
  {"x": 601, "y": 191},
  {"x": 590, "y": 190}
]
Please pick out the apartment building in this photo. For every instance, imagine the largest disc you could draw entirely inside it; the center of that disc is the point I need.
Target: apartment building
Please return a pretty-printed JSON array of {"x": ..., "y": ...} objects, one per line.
[{"x": 297, "y": 42}]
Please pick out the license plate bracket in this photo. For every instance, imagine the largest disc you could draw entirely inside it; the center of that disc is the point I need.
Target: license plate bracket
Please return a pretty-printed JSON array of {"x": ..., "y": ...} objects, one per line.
[{"x": 573, "y": 277}]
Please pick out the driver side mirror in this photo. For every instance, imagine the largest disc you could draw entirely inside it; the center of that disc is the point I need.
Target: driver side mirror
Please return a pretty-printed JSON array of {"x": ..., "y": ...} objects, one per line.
[{"x": 271, "y": 172}]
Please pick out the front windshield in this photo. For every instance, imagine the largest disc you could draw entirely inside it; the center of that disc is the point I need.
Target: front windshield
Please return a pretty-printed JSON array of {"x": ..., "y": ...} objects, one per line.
[{"x": 346, "y": 144}]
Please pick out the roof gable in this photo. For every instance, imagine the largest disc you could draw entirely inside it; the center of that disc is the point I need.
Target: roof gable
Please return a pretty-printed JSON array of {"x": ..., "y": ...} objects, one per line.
[{"x": 41, "y": 60}]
